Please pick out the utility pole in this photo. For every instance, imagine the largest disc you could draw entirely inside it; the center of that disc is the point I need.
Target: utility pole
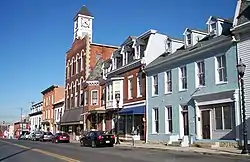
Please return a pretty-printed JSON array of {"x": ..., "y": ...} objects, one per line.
[{"x": 21, "y": 122}]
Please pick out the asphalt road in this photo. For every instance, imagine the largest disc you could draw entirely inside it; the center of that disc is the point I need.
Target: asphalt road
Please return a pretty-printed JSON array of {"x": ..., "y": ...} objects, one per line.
[{"x": 25, "y": 151}]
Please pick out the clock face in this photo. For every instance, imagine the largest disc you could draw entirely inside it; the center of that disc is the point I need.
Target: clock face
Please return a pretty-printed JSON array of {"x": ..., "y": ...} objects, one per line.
[{"x": 85, "y": 23}]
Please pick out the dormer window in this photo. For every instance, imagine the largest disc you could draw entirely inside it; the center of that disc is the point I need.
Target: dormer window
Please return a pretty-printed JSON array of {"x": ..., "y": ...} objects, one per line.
[
  {"x": 168, "y": 45},
  {"x": 189, "y": 39},
  {"x": 213, "y": 28}
]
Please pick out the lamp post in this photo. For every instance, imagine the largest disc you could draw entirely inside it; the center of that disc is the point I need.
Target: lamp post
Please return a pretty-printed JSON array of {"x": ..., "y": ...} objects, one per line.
[
  {"x": 241, "y": 67},
  {"x": 117, "y": 97}
]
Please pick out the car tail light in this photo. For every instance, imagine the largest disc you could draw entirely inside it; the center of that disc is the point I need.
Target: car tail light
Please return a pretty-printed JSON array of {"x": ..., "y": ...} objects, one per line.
[
  {"x": 100, "y": 137},
  {"x": 113, "y": 136}
]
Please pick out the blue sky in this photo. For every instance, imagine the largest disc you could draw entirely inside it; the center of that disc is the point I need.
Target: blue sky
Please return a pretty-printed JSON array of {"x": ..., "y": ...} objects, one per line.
[{"x": 35, "y": 34}]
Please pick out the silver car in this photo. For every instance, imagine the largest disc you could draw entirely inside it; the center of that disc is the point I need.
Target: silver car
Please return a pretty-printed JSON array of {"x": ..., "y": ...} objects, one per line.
[
  {"x": 36, "y": 135},
  {"x": 46, "y": 136}
]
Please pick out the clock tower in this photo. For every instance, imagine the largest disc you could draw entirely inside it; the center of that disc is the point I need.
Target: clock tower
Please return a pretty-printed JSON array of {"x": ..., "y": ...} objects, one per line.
[{"x": 83, "y": 24}]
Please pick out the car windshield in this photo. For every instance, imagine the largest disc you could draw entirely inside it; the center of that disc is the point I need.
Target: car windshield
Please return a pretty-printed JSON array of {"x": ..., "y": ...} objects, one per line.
[
  {"x": 27, "y": 133},
  {"x": 47, "y": 133}
]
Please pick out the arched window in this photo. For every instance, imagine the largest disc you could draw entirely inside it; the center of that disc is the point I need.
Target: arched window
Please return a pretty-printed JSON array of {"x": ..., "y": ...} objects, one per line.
[
  {"x": 82, "y": 60},
  {"x": 73, "y": 66},
  {"x": 77, "y": 94},
  {"x": 68, "y": 97},
  {"x": 77, "y": 63},
  {"x": 72, "y": 95}
]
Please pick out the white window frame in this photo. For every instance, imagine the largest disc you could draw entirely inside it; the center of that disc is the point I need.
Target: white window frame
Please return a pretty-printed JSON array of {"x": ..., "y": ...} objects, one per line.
[
  {"x": 85, "y": 98},
  {"x": 130, "y": 87},
  {"x": 223, "y": 117},
  {"x": 94, "y": 104},
  {"x": 154, "y": 85},
  {"x": 189, "y": 41},
  {"x": 199, "y": 74},
  {"x": 182, "y": 77},
  {"x": 168, "y": 119},
  {"x": 214, "y": 30},
  {"x": 139, "y": 85},
  {"x": 168, "y": 82},
  {"x": 218, "y": 68},
  {"x": 155, "y": 121}
]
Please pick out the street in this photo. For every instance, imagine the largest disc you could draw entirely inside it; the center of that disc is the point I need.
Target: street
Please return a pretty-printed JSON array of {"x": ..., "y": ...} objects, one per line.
[{"x": 23, "y": 151}]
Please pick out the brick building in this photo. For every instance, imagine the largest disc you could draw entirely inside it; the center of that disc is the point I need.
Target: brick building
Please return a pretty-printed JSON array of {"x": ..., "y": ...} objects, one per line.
[
  {"x": 80, "y": 61},
  {"x": 51, "y": 95},
  {"x": 125, "y": 78}
]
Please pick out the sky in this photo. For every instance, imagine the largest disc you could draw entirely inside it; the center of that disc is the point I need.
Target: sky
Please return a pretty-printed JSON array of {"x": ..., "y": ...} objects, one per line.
[{"x": 35, "y": 35}]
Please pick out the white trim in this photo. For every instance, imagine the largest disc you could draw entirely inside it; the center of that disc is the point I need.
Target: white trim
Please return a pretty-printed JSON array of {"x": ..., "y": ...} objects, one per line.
[
  {"x": 92, "y": 98},
  {"x": 226, "y": 100},
  {"x": 131, "y": 76},
  {"x": 134, "y": 105}
]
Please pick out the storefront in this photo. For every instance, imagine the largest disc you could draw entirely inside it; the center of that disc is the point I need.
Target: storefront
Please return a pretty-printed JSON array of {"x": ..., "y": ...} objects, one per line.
[{"x": 132, "y": 122}]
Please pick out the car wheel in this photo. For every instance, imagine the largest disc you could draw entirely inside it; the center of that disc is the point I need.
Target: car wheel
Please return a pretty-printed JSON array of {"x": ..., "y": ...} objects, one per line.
[
  {"x": 81, "y": 143},
  {"x": 93, "y": 144}
]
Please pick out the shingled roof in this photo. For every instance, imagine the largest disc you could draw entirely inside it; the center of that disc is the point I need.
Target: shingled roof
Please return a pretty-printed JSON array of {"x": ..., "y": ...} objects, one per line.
[
  {"x": 96, "y": 73},
  {"x": 84, "y": 11},
  {"x": 244, "y": 14}
]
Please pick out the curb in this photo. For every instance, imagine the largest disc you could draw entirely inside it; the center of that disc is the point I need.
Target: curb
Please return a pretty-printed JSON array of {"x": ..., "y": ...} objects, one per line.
[{"x": 221, "y": 153}]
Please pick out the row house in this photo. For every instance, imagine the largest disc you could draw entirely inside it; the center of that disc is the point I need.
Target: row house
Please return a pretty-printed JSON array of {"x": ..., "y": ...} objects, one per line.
[
  {"x": 93, "y": 100},
  {"x": 51, "y": 95},
  {"x": 80, "y": 61},
  {"x": 21, "y": 127},
  {"x": 193, "y": 92},
  {"x": 35, "y": 116},
  {"x": 125, "y": 81},
  {"x": 58, "y": 108},
  {"x": 241, "y": 31}
]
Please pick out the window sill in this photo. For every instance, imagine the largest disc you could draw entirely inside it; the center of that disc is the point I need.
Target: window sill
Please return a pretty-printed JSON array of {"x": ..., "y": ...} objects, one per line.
[
  {"x": 168, "y": 133},
  {"x": 130, "y": 98},
  {"x": 155, "y": 133},
  {"x": 183, "y": 90},
  {"x": 168, "y": 93},
  {"x": 221, "y": 83},
  {"x": 200, "y": 86},
  {"x": 139, "y": 96},
  {"x": 154, "y": 95}
]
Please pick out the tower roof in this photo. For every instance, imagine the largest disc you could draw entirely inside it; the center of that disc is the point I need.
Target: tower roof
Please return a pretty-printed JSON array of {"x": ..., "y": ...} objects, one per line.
[{"x": 84, "y": 11}]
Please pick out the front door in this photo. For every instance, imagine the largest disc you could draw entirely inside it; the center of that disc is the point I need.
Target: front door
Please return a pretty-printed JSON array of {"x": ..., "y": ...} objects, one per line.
[
  {"x": 205, "y": 115},
  {"x": 185, "y": 122}
]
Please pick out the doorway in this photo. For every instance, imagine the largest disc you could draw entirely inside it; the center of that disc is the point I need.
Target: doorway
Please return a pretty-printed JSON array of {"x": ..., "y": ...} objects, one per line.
[{"x": 205, "y": 115}]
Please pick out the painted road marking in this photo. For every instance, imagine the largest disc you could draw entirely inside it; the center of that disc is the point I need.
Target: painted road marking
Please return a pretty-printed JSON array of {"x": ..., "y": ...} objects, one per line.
[{"x": 61, "y": 157}]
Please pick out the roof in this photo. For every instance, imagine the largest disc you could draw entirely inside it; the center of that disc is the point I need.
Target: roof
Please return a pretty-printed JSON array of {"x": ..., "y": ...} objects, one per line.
[
  {"x": 96, "y": 73},
  {"x": 84, "y": 11},
  {"x": 244, "y": 13},
  {"x": 182, "y": 51},
  {"x": 49, "y": 89}
]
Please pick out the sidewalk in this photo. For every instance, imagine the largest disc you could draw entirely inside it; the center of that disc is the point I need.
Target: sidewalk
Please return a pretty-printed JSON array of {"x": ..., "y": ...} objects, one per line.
[{"x": 210, "y": 151}]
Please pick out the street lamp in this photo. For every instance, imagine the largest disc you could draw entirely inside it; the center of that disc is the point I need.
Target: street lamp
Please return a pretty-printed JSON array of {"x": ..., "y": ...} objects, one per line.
[
  {"x": 117, "y": 97},
  {"x": 241, "y": 67}
]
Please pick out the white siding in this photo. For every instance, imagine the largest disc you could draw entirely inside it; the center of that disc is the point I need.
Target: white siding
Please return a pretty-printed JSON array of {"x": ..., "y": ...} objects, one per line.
[{"x": 244, "y": 54}]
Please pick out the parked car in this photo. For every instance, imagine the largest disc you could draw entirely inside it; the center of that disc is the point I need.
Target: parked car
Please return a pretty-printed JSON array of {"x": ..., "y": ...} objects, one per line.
[
  {"x": 26, "y": 135},
  {"x": 46, "y": 136},
  {"x": 36, "y": 135},
  {"x": 30, "y": 136},
  {"x": 97, "y": 138},
  {"x": 61, "y": 137},
  {"x": 21, "y": 137}
]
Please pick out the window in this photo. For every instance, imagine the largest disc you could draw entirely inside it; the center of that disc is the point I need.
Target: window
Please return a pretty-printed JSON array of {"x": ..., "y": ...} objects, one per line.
[
  {"x": 130, "y": 87},
  {"x": 189, "y": 39},
  {"x": 52, "y": 99},
  {"x": 155, "y": 85},
  {"x": 94, "y": 95},
  {"x": 155, "y": 120},
  {"x": 168, "y": 81},
  {"x": 139, "y": 85},
  {"x": 221, "y": 69},
  {"x": 183, "y": 78},
  {"x": 86, "y": 98},
  {"x": 201, "y": 73},
  {"x": 213, "y": 27},
  {"x": 111, "y": 91},
  {"x": 108, "y": 91},
  {"x": 223, "y": 117},
  {"x": 168, "y": 119}
]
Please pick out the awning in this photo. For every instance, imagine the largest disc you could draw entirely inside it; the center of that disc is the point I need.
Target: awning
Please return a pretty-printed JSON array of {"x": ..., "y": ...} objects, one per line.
[
  {"x": 72, "y": 115},
  {"x": 137, "y": 110}
]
